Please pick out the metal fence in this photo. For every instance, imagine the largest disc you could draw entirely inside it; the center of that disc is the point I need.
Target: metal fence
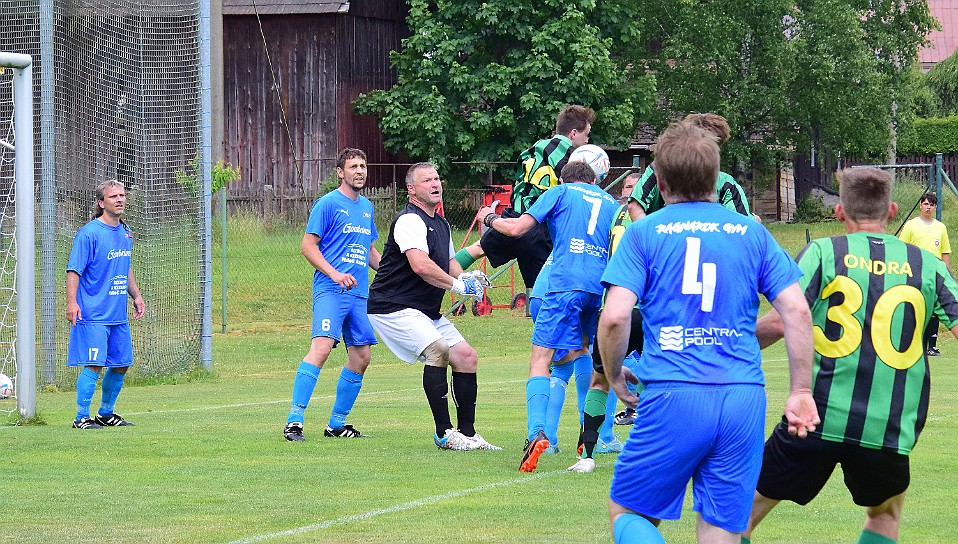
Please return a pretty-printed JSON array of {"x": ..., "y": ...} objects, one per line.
[{"x": 266, "y": 251}]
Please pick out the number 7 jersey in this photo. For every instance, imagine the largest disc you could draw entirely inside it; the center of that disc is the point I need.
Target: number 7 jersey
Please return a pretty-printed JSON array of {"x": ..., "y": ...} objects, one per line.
[{"x": 871, "y": 297}]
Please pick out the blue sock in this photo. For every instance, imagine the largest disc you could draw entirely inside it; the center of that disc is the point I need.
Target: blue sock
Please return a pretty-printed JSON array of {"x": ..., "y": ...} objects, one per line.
[
  {"x": 537, "y": 402},
  {"x": 112, "y": 383},
  {"x": 583, "y": 375},
  {"x": 557, "y": 386},
  {"x": 605, "y": 431},
  {"x": 347, "y": 389},
  {"x": 634, "y": 529},
  {"x": 303, "y": 385},
  {"x": 632, "y": 362},
  {"x": 86, "y": 385}
]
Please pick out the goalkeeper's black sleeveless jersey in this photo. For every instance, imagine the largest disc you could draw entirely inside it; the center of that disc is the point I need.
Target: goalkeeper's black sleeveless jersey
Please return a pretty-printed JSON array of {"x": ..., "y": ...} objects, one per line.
[
  {"x": 871, "y": 296},
  {"x": 396, "y": 286}
]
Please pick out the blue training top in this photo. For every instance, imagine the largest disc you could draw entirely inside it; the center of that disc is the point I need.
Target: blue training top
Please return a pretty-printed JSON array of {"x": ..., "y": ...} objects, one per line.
[
  {"x": 697, "y": 269},
  {"x": 346, "y": 230},
  {"x": 578, "y": 217},
  {"x": 101, "y": 255}
]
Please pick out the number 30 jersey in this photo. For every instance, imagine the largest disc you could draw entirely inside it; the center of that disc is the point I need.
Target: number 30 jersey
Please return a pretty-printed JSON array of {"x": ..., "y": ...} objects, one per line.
[
  {"x": 871, "y": 297},
  {"x": 697, "y": 270}
]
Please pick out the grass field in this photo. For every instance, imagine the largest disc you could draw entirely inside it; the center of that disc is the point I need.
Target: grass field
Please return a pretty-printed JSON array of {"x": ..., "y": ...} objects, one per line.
[{"x": 207, "y": 461}]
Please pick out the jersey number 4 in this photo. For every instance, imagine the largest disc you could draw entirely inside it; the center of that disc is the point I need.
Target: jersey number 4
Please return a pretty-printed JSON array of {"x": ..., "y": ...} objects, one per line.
[{"x": 691, "y": 285}]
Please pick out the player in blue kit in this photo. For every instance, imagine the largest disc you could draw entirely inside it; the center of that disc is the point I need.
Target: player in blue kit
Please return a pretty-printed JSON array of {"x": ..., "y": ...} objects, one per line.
[
  {"x": 339, "y": 244},
  {"x": 696, "y": 270},
  {"x": 99, "y": 281},
  {"x": 577, "y": 214}
]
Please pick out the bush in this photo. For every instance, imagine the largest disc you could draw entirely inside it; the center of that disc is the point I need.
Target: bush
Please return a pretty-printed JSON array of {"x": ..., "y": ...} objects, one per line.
[
  {"x": 928, "y": 136},
  {"x": 812, "y": 210},
  {"x": 222, "y": 175}
]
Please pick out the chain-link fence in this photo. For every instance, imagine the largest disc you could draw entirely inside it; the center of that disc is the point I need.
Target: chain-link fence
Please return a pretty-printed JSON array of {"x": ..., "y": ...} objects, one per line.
[{"x": 268, "y": 252}]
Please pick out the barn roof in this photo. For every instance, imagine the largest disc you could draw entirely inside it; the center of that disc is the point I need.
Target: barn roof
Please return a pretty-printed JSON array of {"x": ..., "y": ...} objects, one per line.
[{"x": 283, "y": 7}]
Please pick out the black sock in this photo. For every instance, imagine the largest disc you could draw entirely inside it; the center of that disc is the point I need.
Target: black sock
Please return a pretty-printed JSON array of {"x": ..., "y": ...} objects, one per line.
[
  {"x": 590, "y": 433},
  {"x": 465, "y": 389},
  {"x": 436, "y": 388}
]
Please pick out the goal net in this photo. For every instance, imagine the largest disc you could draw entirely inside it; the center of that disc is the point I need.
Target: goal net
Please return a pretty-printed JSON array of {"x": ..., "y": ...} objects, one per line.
[
  {"x": 116, "y": 96},
  {"x": 8, "y": 245}
]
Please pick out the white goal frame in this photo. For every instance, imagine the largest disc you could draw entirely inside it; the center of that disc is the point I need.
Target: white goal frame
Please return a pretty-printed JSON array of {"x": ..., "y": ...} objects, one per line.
[{"x": 25, "y": 385}]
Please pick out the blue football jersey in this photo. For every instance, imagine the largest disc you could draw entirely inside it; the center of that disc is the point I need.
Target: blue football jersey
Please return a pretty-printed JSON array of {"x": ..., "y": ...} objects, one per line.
[
  {"x": 101, "y": 255},
  {"x": 346, "y": 230},
  {"x": 697, "y": 269},
  {"x": 578, "y": 216}
]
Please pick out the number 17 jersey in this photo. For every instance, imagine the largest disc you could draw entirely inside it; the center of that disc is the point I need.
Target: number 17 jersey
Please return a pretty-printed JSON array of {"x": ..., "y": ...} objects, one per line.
[{"x": 871, "y": 297}]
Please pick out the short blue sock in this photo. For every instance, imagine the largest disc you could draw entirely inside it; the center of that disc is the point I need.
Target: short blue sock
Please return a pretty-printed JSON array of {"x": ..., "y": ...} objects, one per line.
[
  {"x": 605, "y": 431},
  {"x": 537, "y": 402},
  {"x": 557, "y": 387},
  {"x": 347, "y": 389},
  {"x": 112, "y": 383},
  {"x": 634, "y": 529},
  {"x": 303, "y": 385},
  {"x": 583, "y": 375},
  {"x": 86, "y": 385}
]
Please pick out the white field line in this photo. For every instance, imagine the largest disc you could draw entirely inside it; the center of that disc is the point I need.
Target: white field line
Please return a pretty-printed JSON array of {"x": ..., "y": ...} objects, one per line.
[{"x": 393, "y": 509}]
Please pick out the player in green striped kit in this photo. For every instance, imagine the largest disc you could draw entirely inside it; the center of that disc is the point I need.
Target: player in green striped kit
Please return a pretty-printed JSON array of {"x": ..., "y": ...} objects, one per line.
[{"x": 871, "y": 297}]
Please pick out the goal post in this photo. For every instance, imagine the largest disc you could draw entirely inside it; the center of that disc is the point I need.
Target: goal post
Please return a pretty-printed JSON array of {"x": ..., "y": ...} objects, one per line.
[{"x": 23, "y": 167}]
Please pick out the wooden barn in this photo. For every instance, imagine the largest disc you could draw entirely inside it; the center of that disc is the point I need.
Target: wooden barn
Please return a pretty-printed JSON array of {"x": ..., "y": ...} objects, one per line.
[{"x": 291, "y": 70}]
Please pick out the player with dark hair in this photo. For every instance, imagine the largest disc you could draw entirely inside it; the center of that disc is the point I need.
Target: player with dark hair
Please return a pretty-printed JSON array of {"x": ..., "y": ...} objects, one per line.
[
  {"x": 536, "y": 172},
  {"x": 99, "y": 282},
  {"x": 696, "y": 270},
  {"x": 416, "y": 270},
  {"x": 575, "y": 213},
  {"x": 646, "y": 198},
  {"x": 871, "y": 296},
  {"x": 930, "y": 234},
  {"x": 339, "y": 244}
]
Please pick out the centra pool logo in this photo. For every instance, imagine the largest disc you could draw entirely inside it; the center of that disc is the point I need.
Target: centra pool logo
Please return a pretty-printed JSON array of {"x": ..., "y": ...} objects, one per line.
[{"x": 677, "y": 337}]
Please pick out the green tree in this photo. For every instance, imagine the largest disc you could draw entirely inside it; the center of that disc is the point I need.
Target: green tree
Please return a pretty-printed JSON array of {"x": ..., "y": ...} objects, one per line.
[
  {"x": 483, "y": 80},
  {"x": 942, "y": 80},
  {"x": 787, "y": 74}
]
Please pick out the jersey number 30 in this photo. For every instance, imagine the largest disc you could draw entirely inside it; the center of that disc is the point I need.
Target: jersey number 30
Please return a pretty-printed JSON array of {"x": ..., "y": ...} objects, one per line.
[{"x": 881, "y": 323}]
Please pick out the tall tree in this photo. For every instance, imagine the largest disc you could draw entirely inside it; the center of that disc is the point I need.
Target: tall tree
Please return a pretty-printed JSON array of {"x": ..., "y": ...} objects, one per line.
[
  {"x": 942, "y": 80},
  {"x": 788, "y": 74},
  {"x": 482, "y": 80}
]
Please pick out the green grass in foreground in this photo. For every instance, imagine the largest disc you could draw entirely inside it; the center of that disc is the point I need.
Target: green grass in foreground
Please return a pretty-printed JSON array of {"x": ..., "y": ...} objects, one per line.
[{"x": 207, "y": 461}]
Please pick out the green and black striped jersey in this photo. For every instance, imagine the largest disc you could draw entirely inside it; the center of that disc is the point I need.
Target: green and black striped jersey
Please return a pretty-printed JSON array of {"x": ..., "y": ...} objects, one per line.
[
  {"x": 728, "y": 193},
  {"x": 538, "y": 170},
  {"x": 871, "y": 296}
]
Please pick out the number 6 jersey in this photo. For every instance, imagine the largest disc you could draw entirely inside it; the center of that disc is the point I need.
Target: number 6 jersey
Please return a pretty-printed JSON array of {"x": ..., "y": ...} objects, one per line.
[{"x": 871, "y": 297}]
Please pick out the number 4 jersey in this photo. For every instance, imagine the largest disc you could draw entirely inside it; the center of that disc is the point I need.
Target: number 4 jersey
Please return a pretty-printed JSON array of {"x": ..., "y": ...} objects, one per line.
[
  {"x": 871, "y": 297},
  {"x": 697, "y": 269}
]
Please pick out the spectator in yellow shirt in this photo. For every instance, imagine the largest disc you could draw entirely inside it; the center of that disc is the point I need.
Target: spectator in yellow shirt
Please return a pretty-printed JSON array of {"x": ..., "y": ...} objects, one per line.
[{"x": 930, "y": 234}]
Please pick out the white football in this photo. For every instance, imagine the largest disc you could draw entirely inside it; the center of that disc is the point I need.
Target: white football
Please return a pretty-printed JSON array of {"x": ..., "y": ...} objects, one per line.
[
  {"x": 6, "y": 386},
  {"x": 594, "y": 156}
]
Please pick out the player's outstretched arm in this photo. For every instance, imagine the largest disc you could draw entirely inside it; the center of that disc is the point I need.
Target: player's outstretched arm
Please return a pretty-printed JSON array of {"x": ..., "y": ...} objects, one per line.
[
  {"x": 514, "y": 226},
  {"x": 801, "y": 413}
]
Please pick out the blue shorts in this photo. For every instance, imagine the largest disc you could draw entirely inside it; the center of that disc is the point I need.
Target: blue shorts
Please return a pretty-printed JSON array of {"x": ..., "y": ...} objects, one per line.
[
  {"x": 722, "y": 433},
  {"x": 564, "y": 318},
  {"x": 93, "y": 344},
  {"x": 337, "y": 315},
  {"x": 534, "y": 304}
]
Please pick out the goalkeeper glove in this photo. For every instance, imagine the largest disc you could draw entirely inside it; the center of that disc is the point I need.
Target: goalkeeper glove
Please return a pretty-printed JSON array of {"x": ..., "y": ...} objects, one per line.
[{"x": 468, "y": 287}]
